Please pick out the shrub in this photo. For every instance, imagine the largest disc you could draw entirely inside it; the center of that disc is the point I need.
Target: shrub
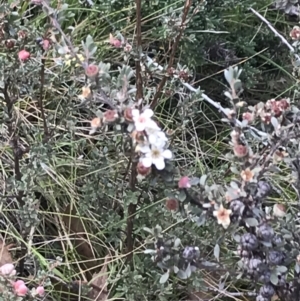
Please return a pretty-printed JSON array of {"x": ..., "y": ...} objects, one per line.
[{"x": 113, "y": 185}]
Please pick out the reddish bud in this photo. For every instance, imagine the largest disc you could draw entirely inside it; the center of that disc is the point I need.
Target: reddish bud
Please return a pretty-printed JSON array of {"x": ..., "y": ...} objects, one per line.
[
  {"x": 23, "y": 55},
  {"x": 295, "y": 33},
  {"x": 9, "y": 44},
  {"x": 240, "y": 150},
  {"x": 283, "y": 104},
  {"x": 110, "y": 116},
  {"x": 172, "y": 204},
  {"x": 22, "y": 34},
  {"x": 128, "y": 114},
  {"x": 92, "y": 71},
  {"x": 184, "y": 182},
  {"x": 138, "y": 137},
  {"x": 266, "y": 117},
  {"x": 142, "y": 170},
  {"x": 249, "y": 117}
]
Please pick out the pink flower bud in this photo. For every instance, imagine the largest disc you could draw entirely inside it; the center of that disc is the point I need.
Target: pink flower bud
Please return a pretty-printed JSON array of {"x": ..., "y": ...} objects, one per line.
[
  {"x": 240, "y": 150},
  {"x": 114, "y": 41},
  {"x": 142, "y": 170},
  {"x": 20, "y": 288},
  {"x": 46, "y": 44},
  {"x": 184, "y": 182},
  {"x": 110, "y": 116},
  {"x": 23, "y": 55},
  {"x": 249, "y": 117},
  {"x": 92, "y": 71},
  {"x": 40, "y": 290},
  {"x": 172, "y": 204},
  {"x": 8, "y": 269}
]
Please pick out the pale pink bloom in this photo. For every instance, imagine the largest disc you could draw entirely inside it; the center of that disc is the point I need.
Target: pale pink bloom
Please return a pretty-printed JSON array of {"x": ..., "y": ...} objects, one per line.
[
  {"x": 184, "y": 182},
  {"x": 40, "y": 290},
  {"x": 8, "y": 269},
  {"x": 20, "y": 288},
  {"x": 23, "y": 55},
  {"x": 114, "y": 41},
  {"x": 143, "y": 120},
  {"x": 223, "y": 216}
]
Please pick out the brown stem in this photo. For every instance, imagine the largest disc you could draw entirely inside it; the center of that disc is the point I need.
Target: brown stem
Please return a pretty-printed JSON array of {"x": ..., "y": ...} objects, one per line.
[
  {"x": 139, "y": 95},
  {"x": 162, "y": 83}
]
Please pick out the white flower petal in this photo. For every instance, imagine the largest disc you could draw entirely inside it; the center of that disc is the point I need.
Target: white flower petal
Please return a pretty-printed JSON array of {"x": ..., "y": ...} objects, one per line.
[
  {"x": 135, "y": 113},
  {"x": 152, "y": 139},
  {"x": 148, "y": 113},
  {"x": 146, "y": 161},
  {"x": 159, "y": 163},
  {"x": 139, "y": 126},
  {"x": 152, "y": 125},
  {"x": 144, "y": 149},
  {"x": 167, "y": 154}
]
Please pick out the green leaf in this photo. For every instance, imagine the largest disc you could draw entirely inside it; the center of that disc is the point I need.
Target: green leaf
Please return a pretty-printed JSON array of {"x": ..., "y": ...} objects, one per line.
[
  {"x": 281, "y": 269},
  {"x": 150, "y": 251},
  {"x": 182, "y": 196},
  {"x": 274, "y": 278},
  {"x": 181, "y": 274},
  {"x": 251, "y": 222},
  {"x": 188, "y": 271},
  {"x": 201, "y": 219},
  {"x": 164, "y": 278},
  {"x": 177, "y": 242},
  {"x": 203, "y": 180}
]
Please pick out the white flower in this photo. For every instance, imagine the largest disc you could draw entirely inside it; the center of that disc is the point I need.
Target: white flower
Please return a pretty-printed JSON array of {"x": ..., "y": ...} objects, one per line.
[
  {"x": 155, "y": 156},
  {"x": 142, "y": 120},
  {"x": 156, "y": 137}
]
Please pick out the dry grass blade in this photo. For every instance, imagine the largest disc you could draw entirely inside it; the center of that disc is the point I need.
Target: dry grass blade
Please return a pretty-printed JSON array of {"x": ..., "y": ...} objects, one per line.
[
  {"x": 5, "y": 256},
  {"x": 99, "y": 283},
  {"x": 74, "y": 225}
]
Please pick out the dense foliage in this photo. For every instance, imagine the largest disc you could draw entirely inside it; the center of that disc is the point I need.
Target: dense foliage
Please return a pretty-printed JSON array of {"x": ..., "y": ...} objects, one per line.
[{"x": 149, "y": 150}]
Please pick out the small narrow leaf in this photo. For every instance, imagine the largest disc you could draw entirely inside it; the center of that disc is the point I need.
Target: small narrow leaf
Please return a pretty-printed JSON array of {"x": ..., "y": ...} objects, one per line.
[
  {"x": 251, "y": 222},
  {"x": 164, "y": 278},
  {"x": 274, "y": 278},
  {"x": 203, "y": 180},
  {"x": 177, "y": 242},
  {"x": 217, "y": 251},
  {"x": 181, "y": 274},
  {"x": 149, "y": 251}
]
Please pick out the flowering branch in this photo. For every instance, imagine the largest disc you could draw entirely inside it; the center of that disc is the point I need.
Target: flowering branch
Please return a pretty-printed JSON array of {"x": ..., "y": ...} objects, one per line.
[
  {"x": 283, "y": 40},
  {"x": 162, "y": 83}
]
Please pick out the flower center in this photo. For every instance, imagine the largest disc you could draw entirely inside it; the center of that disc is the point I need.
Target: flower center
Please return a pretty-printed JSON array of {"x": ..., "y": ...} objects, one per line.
[{"x": 156, "y": 153}]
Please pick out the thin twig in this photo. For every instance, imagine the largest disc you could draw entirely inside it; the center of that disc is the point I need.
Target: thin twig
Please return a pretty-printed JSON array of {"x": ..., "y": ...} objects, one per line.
[
  {"x": 139, "y": 95},
  {"x": 162, "y": 83},
  {"x": 276, "y": 33}
]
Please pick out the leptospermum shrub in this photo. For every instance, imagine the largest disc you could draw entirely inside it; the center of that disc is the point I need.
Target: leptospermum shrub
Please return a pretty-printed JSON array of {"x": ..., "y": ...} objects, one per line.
[
  {"x": 232, "y": 221},
  {"x": 265, "y": 236}
]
